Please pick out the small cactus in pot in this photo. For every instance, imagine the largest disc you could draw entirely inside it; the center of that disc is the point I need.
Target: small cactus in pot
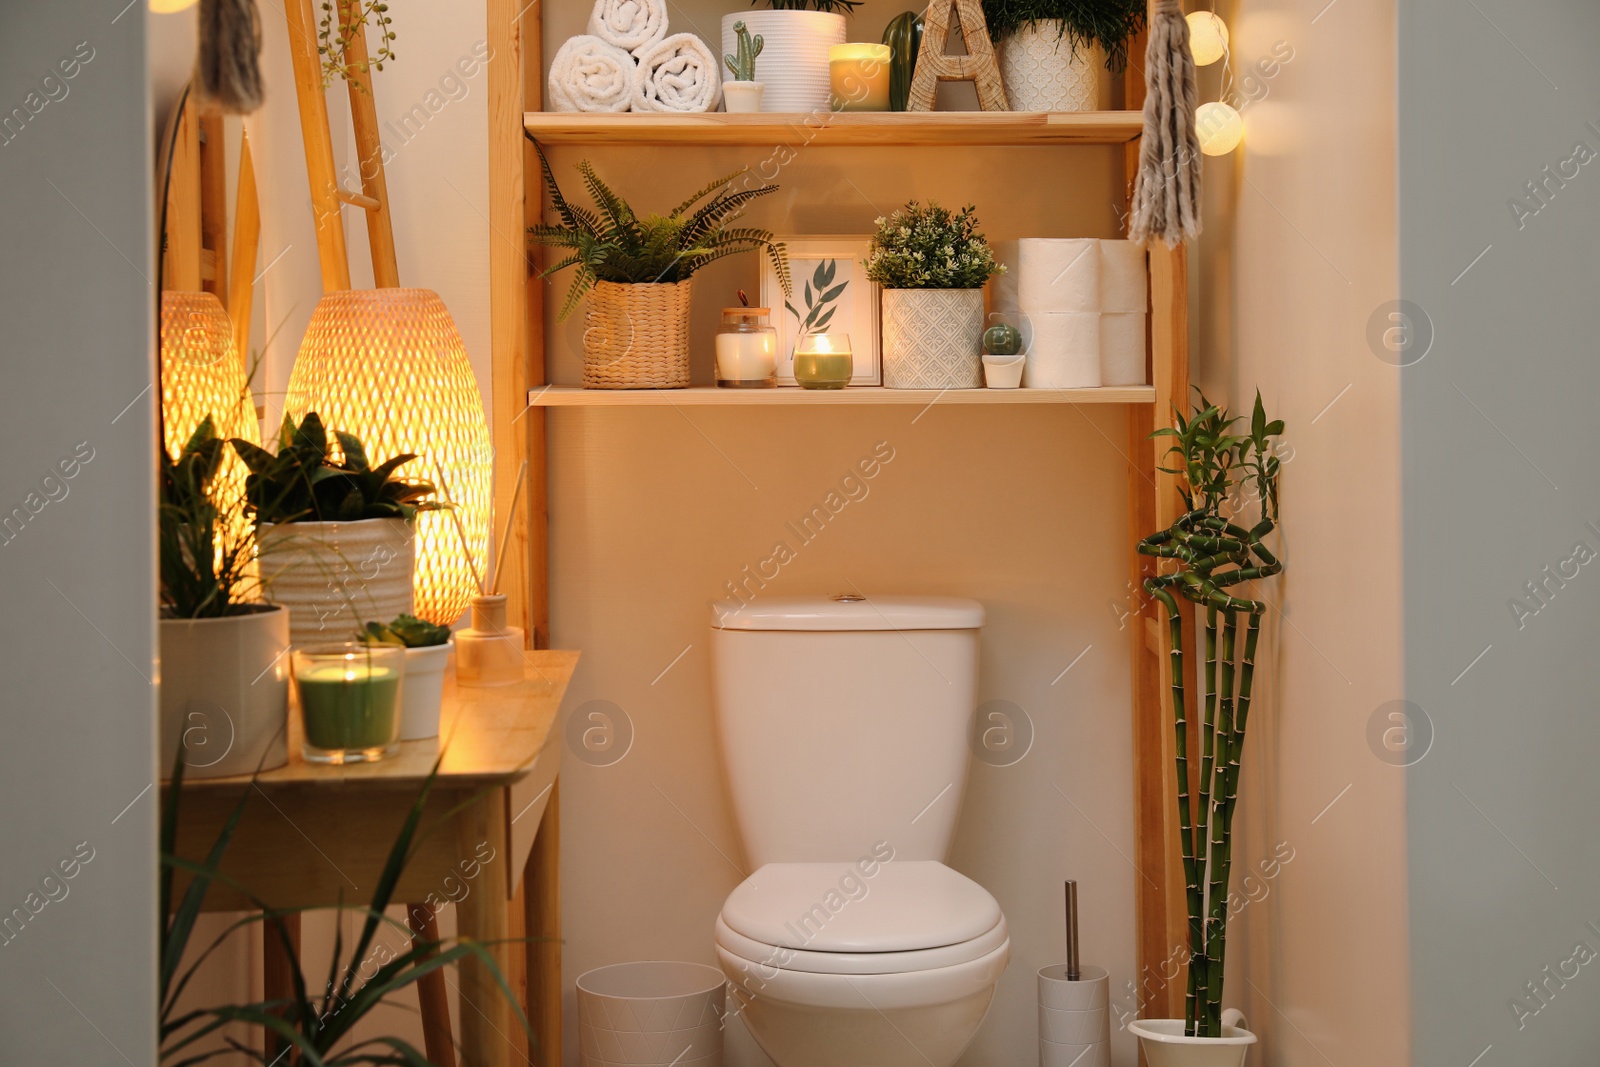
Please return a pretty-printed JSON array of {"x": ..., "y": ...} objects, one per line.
[
  {"x": 743, "y": 93},
  {"x": 1002, "y": 339}
]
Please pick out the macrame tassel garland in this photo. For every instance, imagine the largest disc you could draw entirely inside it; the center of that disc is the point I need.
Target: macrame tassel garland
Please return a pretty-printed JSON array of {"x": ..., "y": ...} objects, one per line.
[
  {"x": 1166, "y": 191},
  {"x": 227, "y": 66}
]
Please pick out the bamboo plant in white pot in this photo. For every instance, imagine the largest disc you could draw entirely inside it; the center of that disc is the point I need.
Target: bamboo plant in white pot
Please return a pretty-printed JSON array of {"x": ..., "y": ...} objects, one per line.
[
  {"x": 1057, "y": 55},
  {"x": 932, "y": 264},
  {"x": 1227, "y": 480},
  {"x": 334, "y": 532},
  {"x": 224, "y": 675}
]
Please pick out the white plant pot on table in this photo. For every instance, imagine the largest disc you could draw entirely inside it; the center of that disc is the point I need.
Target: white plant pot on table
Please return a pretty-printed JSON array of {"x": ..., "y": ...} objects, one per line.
[
  {"x": 422, "y": 692},
  {"x": 1003, "y": 372},
  {"x": 225, "y": 692},
  {"x": 336, "y": 576},
  {"x": 932, "y": 338},
  {"x": 1165, "y": 1045},
  {"x": 1042, "y": 71},
  {"x": 794, "y": 56}
]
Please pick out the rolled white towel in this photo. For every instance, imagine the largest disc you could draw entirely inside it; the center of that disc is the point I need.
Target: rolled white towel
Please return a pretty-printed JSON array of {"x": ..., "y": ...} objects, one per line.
[
  {"x": 588, "y": 74},
  {"x": 677, "y": 74},
  {"x": 631, "y": 24}
]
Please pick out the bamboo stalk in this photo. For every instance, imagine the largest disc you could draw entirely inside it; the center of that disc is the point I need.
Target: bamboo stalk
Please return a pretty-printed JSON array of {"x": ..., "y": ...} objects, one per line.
[{"x": 1217, "y": 892}]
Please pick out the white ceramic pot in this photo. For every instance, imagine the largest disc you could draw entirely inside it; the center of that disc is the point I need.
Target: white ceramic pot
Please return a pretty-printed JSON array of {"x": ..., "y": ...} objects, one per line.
[
  {"x": 932, "y": 338},
  {"x": 422, "y": 691},
  {"x": 1003, "y": 372},
  {"x": 334, "y": 577},
  {"x": 793, "y": 64},
  {"x": 1164, "y": 1045},
  {"x": 742, "y": 98},
  {"x": 225, "y": 693},
  {"x": 1043, "y": 72}
]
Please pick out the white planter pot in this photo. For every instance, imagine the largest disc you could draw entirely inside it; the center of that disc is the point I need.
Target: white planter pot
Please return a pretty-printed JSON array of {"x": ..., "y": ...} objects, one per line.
[
  {"x": 1164, "y": 1045},
  {"x": 742, "y": 98},
  {"x": 422, "y": 692},
  {"x": 793, "y": 64},
  {"x": 932, "y": 338},
  {"x": 336, "y": 576},
  {"x": 225, "y": 693},
  {"x": 1042, "y": 72},
  {"x": 1003, "y": 372}
]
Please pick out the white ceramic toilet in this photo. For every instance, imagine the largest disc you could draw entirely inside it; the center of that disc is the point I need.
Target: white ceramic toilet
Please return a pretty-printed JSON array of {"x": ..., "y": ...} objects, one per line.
[{"x": 843, "y": 727}]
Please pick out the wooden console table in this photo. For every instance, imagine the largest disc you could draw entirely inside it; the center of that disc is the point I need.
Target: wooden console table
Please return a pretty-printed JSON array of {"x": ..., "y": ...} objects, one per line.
[{"x": 316, "y": 834}]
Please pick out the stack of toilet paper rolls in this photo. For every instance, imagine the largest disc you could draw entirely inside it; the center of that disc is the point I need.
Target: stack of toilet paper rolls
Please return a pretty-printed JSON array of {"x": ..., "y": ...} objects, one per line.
[
  {"x": 1081, "y": 306},
  {"x": 1074, "y": 1018}
]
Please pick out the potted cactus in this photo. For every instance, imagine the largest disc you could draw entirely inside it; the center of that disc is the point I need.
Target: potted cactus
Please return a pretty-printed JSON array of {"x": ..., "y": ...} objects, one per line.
[
  {"x": 742, "y": 95},
  {"x": 796, "y": 35},
  {"x": 1003, "y": 358},
  {"x": 334, "y": 532}
]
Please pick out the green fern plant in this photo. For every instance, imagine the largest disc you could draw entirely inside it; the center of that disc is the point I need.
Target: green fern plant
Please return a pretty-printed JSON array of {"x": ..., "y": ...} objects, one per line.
[{"x": 613, "y": 243}]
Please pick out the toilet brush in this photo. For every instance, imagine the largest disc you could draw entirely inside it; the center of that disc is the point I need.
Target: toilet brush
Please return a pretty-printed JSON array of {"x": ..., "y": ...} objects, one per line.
[{"x": 1074, "y": 1005}]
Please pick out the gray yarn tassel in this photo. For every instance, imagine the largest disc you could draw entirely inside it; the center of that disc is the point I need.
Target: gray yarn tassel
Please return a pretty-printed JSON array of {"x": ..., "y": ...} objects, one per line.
[
  {"x": 228, "y": 65},
  {"x": 1166, "y": 191}
]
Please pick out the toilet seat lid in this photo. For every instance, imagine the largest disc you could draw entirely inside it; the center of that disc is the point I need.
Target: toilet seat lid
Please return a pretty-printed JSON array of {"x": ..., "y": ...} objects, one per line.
[{"x": 864, "y": 906}]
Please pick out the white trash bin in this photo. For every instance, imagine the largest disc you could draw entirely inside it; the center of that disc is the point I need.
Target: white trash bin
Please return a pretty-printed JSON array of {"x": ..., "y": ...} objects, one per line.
[{"x": 651, "y": 1014}]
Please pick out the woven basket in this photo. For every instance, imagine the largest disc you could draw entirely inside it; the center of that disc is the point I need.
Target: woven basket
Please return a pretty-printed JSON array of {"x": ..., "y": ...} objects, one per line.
[{"x": 637, "y": 336}]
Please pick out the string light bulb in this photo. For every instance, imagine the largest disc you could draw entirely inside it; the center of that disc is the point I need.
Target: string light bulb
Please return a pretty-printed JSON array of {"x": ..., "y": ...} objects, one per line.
[
  {"x": 1208, "y": 37},
  {"x": 1219, "y": 127}
]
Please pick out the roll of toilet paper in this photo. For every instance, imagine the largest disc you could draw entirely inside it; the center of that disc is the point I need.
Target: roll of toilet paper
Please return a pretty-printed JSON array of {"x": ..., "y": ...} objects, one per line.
[
  {"x": 1063, "y": 350},
  {"x": 1123, "y": 281},
  {"x": 1045, "y": 274},
  {"x": 1122, "y": 348}
]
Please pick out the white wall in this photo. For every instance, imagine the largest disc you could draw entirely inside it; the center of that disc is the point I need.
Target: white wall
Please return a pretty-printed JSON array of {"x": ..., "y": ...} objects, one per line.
[
  {"x": 1299, "y": 253},
  {"x": 1499, "y": 478},
  {"x": 77, "y": 567}
]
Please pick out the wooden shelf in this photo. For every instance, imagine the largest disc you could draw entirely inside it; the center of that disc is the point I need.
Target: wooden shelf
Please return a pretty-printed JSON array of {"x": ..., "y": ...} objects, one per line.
[
  {"x": 1011, "y": 128},
  {"x": 566, "y": 396}
]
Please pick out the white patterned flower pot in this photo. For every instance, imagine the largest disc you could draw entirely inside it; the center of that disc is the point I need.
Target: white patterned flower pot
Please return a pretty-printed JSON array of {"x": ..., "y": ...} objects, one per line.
[
  {"x": 1043, "y": 72},
  {"x": 932, "y": 338},
  {"x": 334, "y": 577},
  {"x": 225, "y": 692},
  {"x": 793, "y": 64}
]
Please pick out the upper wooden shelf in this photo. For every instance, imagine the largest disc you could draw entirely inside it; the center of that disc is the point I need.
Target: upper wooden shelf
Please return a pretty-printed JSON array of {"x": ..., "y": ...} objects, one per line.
[
  {"x": 559, "y": 396},
  {"x": 840, "y": 128}
]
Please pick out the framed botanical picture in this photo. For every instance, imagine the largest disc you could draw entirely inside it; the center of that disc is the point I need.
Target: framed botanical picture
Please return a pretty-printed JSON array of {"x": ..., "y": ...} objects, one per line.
[{"x": 832, "y": 294}]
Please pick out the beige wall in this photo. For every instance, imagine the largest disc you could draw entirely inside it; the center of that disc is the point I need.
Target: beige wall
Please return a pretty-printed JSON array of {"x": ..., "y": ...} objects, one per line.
[
  {"x": 1022, "y": 509},
  {"x": 1300, "y": 249}
]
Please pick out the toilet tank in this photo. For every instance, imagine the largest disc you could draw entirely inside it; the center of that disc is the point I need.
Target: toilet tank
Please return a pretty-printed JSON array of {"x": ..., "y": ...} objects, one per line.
[{"x": 843, "y": 722}]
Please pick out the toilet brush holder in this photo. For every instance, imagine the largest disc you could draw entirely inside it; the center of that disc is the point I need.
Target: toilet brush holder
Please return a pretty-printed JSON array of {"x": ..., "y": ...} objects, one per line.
[
  {"x": 489, "y": 652},
  {"x": 1074, "y": 1017}
]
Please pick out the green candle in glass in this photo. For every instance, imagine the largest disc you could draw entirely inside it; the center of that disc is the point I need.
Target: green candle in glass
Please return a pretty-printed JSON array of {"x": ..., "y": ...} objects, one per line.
[
  {"x": 823, "y": 361},
  {"x": 349, "y": 701}
]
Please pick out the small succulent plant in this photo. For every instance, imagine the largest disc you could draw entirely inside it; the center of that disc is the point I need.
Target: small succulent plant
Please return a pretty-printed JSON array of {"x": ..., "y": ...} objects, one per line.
[
  {"x": 743, "y": 65},
  {"x": 407, "y": 631},
  {"x": 1003, "y": 339}
]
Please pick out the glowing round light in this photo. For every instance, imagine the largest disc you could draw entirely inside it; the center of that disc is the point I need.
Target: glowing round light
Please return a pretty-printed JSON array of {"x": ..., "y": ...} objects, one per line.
[
  {"x": 1208, "y": 37},
  {"x": 169, "y": 7},
  {"x": 1219, "y": 127}
]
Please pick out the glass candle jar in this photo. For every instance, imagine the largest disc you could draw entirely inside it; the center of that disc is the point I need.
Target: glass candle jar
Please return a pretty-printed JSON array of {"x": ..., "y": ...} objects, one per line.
[
  {"x": 823, "y": 361},
  {"x": 349, "y": 701},
  {"x": 747, "y": 349},
  {"x": 859, "y": 76}
]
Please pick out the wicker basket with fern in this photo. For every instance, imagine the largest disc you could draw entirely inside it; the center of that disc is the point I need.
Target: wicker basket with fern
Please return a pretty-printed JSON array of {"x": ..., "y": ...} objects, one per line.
[{"x": 637, "y": 272}]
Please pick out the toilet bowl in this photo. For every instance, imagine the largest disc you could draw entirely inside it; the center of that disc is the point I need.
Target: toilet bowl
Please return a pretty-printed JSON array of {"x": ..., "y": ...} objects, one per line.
[{"x": 843, "y": 730}]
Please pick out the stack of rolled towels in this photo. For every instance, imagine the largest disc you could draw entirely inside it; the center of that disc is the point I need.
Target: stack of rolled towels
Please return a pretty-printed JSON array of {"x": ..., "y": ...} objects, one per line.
[
  {"x": 1081, "y": 305},
  {"x": 628, "y": 62}
]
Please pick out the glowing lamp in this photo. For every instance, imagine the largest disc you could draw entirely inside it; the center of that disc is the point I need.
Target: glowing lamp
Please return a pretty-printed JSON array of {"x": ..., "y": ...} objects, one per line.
[
  {"x": 201, "y": 375},
  {"x": 1208, "y": 37},
  {"x": 1219, "y": 128},
  {"x": 388, "y": 365}
]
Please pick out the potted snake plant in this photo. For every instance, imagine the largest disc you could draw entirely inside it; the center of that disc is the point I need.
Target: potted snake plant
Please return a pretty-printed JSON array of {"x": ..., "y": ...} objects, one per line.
[
  {"x": 1229, "y": 482},
  {"x": 224, "y": 675},
  {"x": 797, "y": 36},
  {"x": 334, "y": 532},
  {"x": 1055, "y": 55}
]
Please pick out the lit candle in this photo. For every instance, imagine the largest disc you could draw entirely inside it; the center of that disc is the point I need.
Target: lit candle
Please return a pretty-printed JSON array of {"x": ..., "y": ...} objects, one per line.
[
  {"x": 349, "y": 702},
  {"x": 823, "y": 361},
  {"x": 860, "y": 76}
]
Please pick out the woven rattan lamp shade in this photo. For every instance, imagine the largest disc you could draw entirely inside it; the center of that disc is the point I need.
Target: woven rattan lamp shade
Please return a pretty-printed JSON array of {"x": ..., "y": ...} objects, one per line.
[
  {"x": 388, "y": 366},
  {"x": 201, "y": 375}
]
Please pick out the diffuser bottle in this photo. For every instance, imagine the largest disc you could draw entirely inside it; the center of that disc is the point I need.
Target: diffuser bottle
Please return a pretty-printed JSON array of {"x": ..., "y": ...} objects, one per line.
[{"x": 489, "y": 652}]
